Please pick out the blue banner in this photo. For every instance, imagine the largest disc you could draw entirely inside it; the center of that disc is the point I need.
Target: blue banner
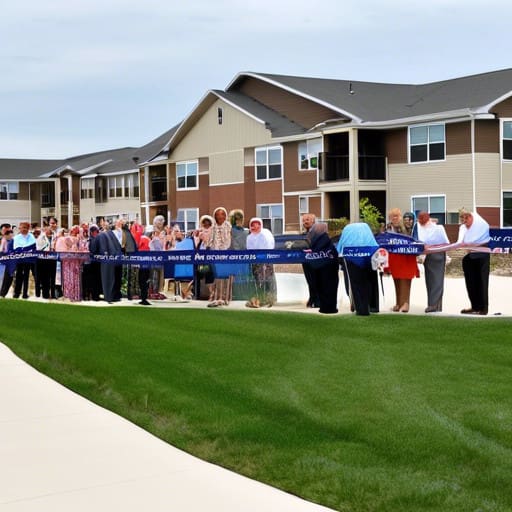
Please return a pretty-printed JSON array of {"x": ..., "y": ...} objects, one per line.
[
  {"x": 392, "y": 242},
  {"x": 500, "y": 238},
  {"x": 399, "y": 244}
]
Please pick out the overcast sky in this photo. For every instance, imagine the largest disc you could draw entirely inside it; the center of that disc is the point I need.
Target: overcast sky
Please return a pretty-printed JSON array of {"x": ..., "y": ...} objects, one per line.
[{"x": 80, "y": 76}]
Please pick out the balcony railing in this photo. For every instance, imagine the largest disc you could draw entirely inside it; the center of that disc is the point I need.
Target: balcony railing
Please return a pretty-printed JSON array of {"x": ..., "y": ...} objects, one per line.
[
  {"x": 372, "y": 168},
  {"x": 336, "y": 167},
  {"x": 333, "y": 167}
]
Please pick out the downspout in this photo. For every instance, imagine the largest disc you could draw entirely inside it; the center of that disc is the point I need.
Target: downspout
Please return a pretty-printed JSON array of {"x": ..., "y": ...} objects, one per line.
[
  {"x": 70, "y": 201},
  {"x": 146, "y": 194},
  {"x": 473, "y": 161}
]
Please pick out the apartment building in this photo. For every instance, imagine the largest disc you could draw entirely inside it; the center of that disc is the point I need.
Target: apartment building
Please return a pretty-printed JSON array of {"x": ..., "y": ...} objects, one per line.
[{"x": 277, "y": 146}]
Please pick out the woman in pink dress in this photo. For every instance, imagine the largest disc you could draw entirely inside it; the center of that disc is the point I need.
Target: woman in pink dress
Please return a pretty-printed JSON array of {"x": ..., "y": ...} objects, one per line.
[{"x": 70, "y": 266}]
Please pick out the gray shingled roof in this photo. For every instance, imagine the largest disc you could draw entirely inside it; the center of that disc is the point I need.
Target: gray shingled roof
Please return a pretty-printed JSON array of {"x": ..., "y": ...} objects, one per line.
[
  {"x": 22, "y": 169},
  {"x": 374, "y": 102},
  {"x": 156, "y": 146}
]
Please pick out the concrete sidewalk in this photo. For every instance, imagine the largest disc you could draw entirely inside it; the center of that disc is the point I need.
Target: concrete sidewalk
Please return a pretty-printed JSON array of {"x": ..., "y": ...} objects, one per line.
[{"x": 61, "y": 453}]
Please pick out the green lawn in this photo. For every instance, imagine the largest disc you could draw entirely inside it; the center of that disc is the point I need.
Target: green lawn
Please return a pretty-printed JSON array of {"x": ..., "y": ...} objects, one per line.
[{"x": 386, "y": 413}]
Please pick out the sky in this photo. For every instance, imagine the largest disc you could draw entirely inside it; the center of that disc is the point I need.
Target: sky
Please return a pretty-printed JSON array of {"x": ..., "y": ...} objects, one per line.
[{"x": 79, "y": 76}]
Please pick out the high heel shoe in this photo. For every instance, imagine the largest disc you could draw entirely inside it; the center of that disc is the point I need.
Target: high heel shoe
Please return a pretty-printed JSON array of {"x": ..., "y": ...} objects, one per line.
[{"x": 404, "y": 308}]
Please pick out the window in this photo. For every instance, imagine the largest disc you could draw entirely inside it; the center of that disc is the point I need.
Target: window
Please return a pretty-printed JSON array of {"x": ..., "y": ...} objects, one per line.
[
  {"x": 47, "y": 195},
  {"x": 272, "y": 217},
  {"x": 435, "y": 205},
  {"x": 131, "y": 185},
  {"x": 507, "y": 140},
  {"x": 188, "y": 218},
  {"x": 115, "y": 186},
  {"x": 308, "y": 154},
  {"x": 269, "y": 163},
  {"x": 87, "y": 188},
  {"x": 426, "y": 143},
  {"x": 219, "y": 115},
  {"x": 507, "y": 209},
  {"x": 100, "y": 195},
  {"x": 186, "y": 175},
  {"x": 9, "y": 190}
]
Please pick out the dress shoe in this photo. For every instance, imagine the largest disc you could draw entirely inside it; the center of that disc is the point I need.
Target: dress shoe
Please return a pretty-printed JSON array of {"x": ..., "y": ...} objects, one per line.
[
  {"x": 145, "y": 303},
  {"x": 432, "y": 309}
]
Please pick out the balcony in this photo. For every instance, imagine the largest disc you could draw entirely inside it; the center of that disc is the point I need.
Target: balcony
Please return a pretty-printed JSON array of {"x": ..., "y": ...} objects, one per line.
[
  {"x": 336, "y": 168},
  {"x": 372, "y": 168},
  {"x": 333, "y": 167}
]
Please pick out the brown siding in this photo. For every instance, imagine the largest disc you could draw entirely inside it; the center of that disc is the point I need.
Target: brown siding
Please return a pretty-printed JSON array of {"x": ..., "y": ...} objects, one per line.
[
  {"x": 298, "y": 109},
  {"x": 491, "y": 215},
  {"x": 294, "y": 179},
  {"x": 172, "y": 196},
  {"x": 396, "y": 146},
  {"x": 487, "y": 136},
  {"x": 24, "y": 194},
  {"x": 228, "y": 196},
  {"x": 268, "y": 192},
  {"x": 458, "y": 138},
  {"x": 142, "y": 186},
  {"x": 291, "y": 208},
  {"x": 315, "y": 206},
  {"x": 503, "y": 109}
]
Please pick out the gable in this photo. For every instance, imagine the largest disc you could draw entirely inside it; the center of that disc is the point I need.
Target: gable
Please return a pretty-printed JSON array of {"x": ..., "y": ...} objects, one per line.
[
  {"x": 207, "y": 136},
  {"x": 302, "y": 111}
]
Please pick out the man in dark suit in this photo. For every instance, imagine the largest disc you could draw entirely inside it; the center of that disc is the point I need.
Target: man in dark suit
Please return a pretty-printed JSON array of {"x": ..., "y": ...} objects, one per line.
[
  {"x": 308, "y": 219},
  {"x": 94, "y": 270},
  {"x": 114, "y": 242}
]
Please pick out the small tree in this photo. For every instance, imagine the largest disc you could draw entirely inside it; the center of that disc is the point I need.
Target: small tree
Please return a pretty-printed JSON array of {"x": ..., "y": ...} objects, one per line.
[
  {"x": 335, "y": 226},
  {"x": 370, "y": 214}
]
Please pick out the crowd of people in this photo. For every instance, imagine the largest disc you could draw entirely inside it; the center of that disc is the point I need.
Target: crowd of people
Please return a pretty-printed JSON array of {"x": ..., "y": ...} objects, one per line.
[{"x": 76, "y": 277}]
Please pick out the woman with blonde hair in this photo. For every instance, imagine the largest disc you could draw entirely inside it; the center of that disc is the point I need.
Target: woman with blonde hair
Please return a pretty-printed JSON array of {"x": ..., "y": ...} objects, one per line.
[
  {"x": 402, "y": 267},
  {"x": 221, "y": 241}
]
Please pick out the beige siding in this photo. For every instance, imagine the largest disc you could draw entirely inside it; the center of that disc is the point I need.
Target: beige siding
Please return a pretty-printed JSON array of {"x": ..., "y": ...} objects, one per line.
[
  {"x": 118, "y": 206},
  {"x": 88, "y": 210},
  {"x": 487, "y": 179},
  {"x": 507, "y": 175},
  {"x": 452, "y": 178},
  {"x": 15, "y": 212},
  {"x": 207, "y": 137},
  {"x": 227, "y": 167}
]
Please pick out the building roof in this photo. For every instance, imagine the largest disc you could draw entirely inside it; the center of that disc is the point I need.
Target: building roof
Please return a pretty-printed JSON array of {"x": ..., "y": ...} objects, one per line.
[
  {"x": 156, "y": 148},
  {"x": 23, "y": 169},
  {"x": 367, "y": 102}
]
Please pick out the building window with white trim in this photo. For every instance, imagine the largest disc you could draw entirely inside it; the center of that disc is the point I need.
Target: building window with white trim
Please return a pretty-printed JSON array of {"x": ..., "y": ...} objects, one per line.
[
  {"x": 272, "y": 217},
  {"x": 269, "y": 163},
  {"x": 115, "y": 186},
  {"x": 427, "y": 143},
  {"x": 308, "y": 154},
  {"x": 507, "y": 210},
  {"x": 507, "y": 140},
  {"x": 188, "y": 218},
  {"x": 9, "y": 190},
  {"x": 434, "y": 205},
  {"x": 87, "y": 188},
  {"x": 186, "y": 175},
  {"x": 131, "y": 185}
]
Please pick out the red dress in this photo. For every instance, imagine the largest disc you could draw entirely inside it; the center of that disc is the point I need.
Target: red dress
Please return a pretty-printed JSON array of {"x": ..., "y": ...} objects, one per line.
[{"x": 403, "y": 266}]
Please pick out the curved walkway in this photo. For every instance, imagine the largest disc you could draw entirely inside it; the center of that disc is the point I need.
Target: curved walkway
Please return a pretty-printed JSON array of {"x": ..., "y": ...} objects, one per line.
[{"x": 61, "y": 453}]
